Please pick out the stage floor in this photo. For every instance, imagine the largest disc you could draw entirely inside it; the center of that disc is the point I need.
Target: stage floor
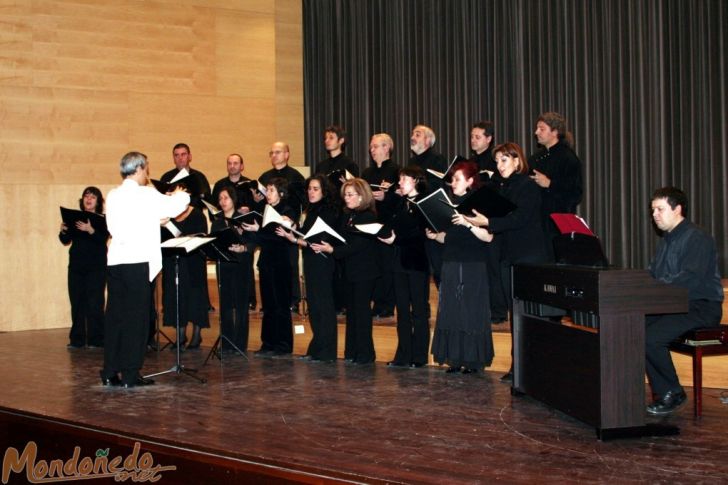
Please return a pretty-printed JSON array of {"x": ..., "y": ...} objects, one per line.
[{"x": 336, "y": 422}]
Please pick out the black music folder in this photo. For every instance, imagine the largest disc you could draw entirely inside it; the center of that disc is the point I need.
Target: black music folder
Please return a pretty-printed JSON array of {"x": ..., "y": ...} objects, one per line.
[
  {"x": 486, "y": 201},
  {"x": 71, "y": 216},
  {"x": 441, "y": 175},
  {"x": 217, "y": 249},
  {"x": 191, "y": 184},
  {"x": 437, "y": 210}
]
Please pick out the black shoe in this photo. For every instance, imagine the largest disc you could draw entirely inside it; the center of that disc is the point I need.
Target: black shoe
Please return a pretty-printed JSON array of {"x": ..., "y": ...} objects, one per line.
[
  {"x": 669, "y": 403},
  {"x": 74, "y": 346},
  {"x": 507, "y": 377},
  {"x": 416, "y": 365},
  {"x": 498, "y": 320},
  {"x": 252, "y": 307},
  {"x": 294, "y": 309},
  {"x": 111, "y": 381},
  {"x": 452, "y": 370},
  {"x": 396, "y": 364},
  {"x": 305, "y": 357},
  {"x": 386, "y": 314},
  {"x": 263, "y": 353},
  {"x": 173, "y": 347},
  {"x": 469, "y": 370},
  {"x": 140, "y": 381}
]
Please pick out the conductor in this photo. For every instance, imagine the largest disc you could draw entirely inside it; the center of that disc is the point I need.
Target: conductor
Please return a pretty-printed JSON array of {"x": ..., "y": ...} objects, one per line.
[{"x": 133, "y": 215}]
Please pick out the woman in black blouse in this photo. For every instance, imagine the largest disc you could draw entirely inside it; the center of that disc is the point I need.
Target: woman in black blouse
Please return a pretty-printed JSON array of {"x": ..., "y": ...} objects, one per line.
[
  {"x": 234, "y": 278},
  {"x": 521, "y": 231},
  {"x": 410, "y": 269},
  {"x": 463, "y": 337},
  {"x": 87, "y": 273},
  {"x": 318, "y": 271},
  {"x": 361, "y": 269},
  {"x": 276, "y": 331}
]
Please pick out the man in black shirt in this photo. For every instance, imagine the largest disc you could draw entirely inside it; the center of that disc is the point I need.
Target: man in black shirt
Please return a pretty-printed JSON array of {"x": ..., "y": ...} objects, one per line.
[
  {"x": 335, "y": 141},
  {"x": 557, "y": 170},
  {"x": 421, "y": 142},
  {"x": 235, "y": 166},
  {"x": 685, "y": 257},
  {"x": 383, "y": 172},
  {"x": 182, "y": 157},
  {"x": 481, "y": 142}
]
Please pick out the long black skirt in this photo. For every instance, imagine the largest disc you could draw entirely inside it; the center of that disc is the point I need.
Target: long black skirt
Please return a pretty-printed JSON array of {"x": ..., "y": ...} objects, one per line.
[{"x": 463, "y": 334}]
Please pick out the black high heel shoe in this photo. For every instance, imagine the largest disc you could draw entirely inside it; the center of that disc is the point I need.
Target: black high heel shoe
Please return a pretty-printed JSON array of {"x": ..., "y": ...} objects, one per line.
[{"x": 196, "y": 339}]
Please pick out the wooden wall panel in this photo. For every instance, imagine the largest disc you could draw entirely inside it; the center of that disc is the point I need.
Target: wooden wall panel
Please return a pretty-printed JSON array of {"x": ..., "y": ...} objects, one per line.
[
  {"x": 289, "y": 76},
  {"x": 60, "y": 135},
  {"x": 245, "y": 54},
  {"x": 136, "y": 46},
  {"x": 84, "y": 81},
  {"x": 212, "y": 126}
]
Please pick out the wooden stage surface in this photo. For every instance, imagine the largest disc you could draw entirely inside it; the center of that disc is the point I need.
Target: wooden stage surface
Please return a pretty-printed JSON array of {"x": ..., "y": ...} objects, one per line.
[{"x": 287, "y": 420}]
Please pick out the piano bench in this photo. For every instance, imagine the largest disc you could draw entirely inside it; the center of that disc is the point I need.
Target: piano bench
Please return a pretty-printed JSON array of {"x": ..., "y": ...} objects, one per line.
[{"x": 699, "y": 343}]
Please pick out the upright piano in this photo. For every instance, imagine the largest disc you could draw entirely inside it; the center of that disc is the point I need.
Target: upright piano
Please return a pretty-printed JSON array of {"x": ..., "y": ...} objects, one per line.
[{"x": 591, "y": 365}]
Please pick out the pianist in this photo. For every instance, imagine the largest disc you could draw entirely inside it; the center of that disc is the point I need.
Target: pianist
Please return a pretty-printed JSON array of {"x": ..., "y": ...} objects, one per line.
[{"x": 686, "y": 257}]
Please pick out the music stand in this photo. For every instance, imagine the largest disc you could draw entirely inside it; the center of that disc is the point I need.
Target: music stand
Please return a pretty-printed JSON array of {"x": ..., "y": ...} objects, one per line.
[
  {"x": 218, "y": 252},
  {"x": 184, "y": 244},
  {"x": 153, "y": 313}
]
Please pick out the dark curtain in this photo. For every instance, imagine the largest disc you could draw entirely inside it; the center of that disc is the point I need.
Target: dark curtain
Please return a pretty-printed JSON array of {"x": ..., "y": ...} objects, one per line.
[{"x": 642, "y": 83}]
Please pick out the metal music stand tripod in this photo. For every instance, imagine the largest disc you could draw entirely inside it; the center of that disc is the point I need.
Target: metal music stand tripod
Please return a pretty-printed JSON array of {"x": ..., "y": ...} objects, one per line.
[{"x": 178, "y": 368}]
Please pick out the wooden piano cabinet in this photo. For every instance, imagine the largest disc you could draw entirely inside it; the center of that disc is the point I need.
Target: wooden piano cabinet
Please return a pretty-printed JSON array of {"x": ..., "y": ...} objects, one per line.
[{"x": 595, "y": 375}]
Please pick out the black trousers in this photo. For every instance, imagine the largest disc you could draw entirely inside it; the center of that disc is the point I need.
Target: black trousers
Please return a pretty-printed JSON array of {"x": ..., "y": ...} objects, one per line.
[
  {"x": 413, "y": 325},
  {"x": 127, "y": 320},
  {"x": 319, "y": 273},
  {"x": 383, "y": 296},
  {"x": 359, "y": 346},
  {"x": 86, "y": 292},
  {"x": 293, "y": 254},
  {"x": 234, "y": 281},
  {"x": 663, "y": 329},
  {"x": 275, "y": 290}
]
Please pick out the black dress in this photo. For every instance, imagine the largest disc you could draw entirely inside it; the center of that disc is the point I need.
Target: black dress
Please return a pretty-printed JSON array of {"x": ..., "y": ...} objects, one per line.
[
  {"x": 318, "y": 271},
  {"x": 193, "y": 295},
  {"x": 276, "y": 331},
  {"x": 86, "y": 284},
  {"x": 411, "y": 283},
  {"x": 361, "y": 270},
  {"x": 234, "y": 285},
  {"x": 463, "y": 334}
]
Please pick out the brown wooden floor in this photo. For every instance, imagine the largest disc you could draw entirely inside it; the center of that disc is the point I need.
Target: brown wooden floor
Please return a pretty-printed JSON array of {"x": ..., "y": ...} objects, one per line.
[{"x": 285, "y": 420}]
